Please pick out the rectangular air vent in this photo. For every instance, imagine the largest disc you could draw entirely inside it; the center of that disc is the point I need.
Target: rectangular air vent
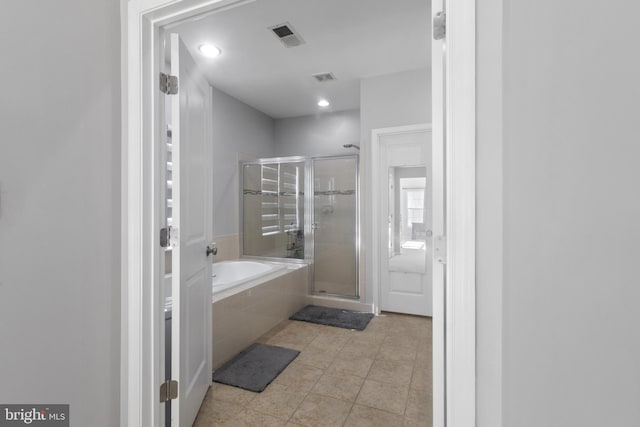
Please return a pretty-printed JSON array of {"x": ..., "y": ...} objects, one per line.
[
  {"x": 287, "y": 35},
  {"x": 324, "y": 77}
]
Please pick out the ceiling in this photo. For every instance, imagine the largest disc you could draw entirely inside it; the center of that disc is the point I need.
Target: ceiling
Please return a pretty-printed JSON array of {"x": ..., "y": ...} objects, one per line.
[{"x": 350, "y": 38}]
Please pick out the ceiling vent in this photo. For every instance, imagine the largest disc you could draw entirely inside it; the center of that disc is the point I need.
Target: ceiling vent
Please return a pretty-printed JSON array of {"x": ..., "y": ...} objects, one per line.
[
  {"x": 287, "y": 35},
  {"x": 324, "y": 77}
]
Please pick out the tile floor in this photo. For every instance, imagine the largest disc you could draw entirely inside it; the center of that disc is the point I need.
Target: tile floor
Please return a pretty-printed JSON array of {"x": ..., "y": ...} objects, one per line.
[{"x": 377, "y": 377}]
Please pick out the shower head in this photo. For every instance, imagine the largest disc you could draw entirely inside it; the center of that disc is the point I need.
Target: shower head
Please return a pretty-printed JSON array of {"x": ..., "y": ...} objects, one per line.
[{"x": 351, "y": 146}]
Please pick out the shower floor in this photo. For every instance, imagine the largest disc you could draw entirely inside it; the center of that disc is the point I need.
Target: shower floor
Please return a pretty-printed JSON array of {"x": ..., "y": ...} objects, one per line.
[{"x": 379, "y": 376}]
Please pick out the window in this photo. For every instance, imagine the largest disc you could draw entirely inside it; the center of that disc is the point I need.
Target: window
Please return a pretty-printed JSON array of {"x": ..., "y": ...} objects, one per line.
[
  {"x": 280, "y": 189},
  {"x": 415, "y": 206}
]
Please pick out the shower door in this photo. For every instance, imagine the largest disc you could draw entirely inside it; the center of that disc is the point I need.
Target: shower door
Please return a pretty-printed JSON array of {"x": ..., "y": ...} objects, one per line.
[{"x": 335, "y": 226}]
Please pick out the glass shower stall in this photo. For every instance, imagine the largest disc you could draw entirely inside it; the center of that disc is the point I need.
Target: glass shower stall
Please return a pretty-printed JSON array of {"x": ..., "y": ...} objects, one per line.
[{"x": 305, "y": 209}]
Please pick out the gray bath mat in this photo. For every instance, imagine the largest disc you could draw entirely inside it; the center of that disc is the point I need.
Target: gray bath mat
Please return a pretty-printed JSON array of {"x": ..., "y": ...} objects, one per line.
[
  {"x": 255, "y": 367},
  {"x": 333, "y": 317}
]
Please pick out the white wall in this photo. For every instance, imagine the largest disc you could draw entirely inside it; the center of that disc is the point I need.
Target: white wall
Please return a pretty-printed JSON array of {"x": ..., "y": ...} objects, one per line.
[
  {"x": 397, "y": 99},
  {"x": 60, "y": 207},
  {"x": 323, "y": 133},
  {"x": 237, "y": 127},
  {"x": 566, "y": 140}
]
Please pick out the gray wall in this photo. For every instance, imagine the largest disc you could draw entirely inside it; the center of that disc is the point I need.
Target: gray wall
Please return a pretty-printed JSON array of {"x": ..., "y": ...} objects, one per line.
[
  {"x": 324, "y": 133},
  {"x": 564, "y": 140},
  {"x": 60, "y": 206},
  {"x": 397, "y": 99},
  {"x": 237, "y": 127}
]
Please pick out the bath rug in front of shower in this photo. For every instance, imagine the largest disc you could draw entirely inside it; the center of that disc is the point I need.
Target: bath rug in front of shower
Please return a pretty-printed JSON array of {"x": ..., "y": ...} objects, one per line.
[
  {"x": 255, "y": 367},
  {"x": 337, "y": 317}
]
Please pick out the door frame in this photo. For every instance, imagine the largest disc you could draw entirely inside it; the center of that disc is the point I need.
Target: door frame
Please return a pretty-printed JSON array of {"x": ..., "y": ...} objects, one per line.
[
  {"x": 141, "y": 314},
  {"x": 378, "y": 192}
]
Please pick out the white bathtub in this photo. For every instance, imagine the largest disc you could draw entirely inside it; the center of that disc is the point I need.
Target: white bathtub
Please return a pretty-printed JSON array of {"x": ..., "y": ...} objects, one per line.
[
  {"x": 243, "y": 313},
  {"x": 237, "y": 275}
]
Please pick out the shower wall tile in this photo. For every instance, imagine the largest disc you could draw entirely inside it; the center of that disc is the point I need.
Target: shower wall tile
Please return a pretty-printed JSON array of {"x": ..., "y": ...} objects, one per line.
[{"x": 228, "y": 247}]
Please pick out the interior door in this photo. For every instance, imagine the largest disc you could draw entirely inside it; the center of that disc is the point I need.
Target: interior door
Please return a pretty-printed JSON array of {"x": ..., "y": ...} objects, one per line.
[
  {"x": 192, "y": 216},
  {"x": 406, "y": 262}
]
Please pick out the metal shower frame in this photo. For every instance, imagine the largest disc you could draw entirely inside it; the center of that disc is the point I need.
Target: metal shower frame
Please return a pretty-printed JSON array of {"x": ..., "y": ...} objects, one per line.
[{"x": 309, "y": 215}]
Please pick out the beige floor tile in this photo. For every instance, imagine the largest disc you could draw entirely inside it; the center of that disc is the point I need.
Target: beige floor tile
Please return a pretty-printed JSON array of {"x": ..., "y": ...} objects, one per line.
[
  {"x": 385, "y": 318},
  {"x": 392, "y": 372},
  {"x": 424, "y": 363},
  {"x": 305, "y": 328},
  {"x": 360, "y": 348},
  {"x": 216, "y": 412},
  {"x": 333, "y": 364},
  {"x": 408, "y": 422},
  {"x": 425, "y": 349},
  {"x": 419, "y": 406},
  {"x": 393, "y": 352},
  {"x": 422, "y": 377},
  {"x": 383, "y": 396},
  {"x": 425, "y": 333},
  {"x": 339, "y": 332},
  {"x": 316, "y": 357},
  {"x": 375, "y": 325},
  {"x": 329, "y": 341},
  {"x": 343, "y": 387},
  {"x": 299, "y": 376},
  {"x": 372, "y": 335},
  {"x": 350, "y": 366},
  {"x": 227, "y": 393},
  {"x": 400, "y": 340},
  {"x": 250, "y": 418},
  {"x": 362, "y": 416},
  {"x": 202, "y": 421},
  {"x": 277, "y": 400},
  {"x": 294, "y": 336},
  {"x": 274, "y": 331},
  {"x": 318, "y": 410}
]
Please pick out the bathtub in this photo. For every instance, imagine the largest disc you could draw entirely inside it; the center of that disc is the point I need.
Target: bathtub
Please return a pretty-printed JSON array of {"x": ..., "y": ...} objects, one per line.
[
  {"x": 230, "y": 277},
  {"x": 250, "y": 298}
]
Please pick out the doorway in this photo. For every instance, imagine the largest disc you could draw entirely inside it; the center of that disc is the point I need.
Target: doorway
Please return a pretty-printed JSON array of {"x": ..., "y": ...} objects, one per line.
[
  {"x": 402, "y": 170},
  {"x": 140, "y": 339}
]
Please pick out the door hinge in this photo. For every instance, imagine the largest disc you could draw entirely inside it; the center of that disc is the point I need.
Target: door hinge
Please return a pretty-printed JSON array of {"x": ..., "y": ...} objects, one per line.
[
  {"x": 439, "y": 26},
  {"x": 168, "y": 84},
  {"x": 168, "y": 237},
  {"x": 440, "y": 249},
  {"x": 168, "y": 390}
]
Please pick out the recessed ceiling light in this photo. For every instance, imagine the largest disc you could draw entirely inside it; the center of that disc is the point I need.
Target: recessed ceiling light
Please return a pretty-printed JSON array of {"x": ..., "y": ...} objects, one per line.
[
  {"x": 209, "y": 50},
  {"x": 323, "y": 103}
]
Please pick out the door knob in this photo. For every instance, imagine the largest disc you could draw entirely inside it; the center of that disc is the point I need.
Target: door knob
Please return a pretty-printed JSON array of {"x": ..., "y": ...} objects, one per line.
[{"x": 212, "y": 249}]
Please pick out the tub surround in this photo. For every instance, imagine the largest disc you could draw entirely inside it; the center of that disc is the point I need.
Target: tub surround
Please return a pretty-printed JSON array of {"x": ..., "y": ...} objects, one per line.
[{"x": 240, "y": 319}]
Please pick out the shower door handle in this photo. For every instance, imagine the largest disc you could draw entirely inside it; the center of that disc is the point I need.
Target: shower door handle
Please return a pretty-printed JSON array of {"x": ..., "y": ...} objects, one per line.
[{"x": 314, "y": 226}]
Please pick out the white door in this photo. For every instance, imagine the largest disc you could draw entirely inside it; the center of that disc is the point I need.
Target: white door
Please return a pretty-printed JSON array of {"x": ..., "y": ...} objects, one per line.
[
  {"x": 192, "y": 216},
  {"x": 406, "y": 229}
]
